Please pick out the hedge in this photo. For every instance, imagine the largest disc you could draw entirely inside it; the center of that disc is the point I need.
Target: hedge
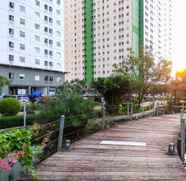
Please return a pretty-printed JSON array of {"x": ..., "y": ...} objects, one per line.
[
  {"x": 14, "y": 121},
  {"x": 17, "y": 121}
]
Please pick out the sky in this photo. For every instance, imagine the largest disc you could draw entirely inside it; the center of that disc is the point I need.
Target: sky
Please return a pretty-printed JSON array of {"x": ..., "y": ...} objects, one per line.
[{"x": 179, "y": 38}]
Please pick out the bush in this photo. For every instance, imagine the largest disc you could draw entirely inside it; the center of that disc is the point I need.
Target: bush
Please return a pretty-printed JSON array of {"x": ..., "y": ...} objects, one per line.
[
  {"x": 14, "y": 121},
  {"x": 9, "y": 107},
  {"x": 17, "y": 121}
]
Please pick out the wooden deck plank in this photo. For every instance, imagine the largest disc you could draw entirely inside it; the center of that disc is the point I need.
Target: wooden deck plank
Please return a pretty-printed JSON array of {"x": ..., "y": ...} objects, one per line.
[{"x": 89, "y": 160}]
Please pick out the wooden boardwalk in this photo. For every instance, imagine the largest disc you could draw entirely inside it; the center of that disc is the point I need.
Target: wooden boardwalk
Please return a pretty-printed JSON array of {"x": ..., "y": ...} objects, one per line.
[{"x": 91, "y": 161}]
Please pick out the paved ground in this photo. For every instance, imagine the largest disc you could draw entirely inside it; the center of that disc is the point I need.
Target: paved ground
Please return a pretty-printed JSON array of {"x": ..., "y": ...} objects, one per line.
[{"x": 91, "y": 161}]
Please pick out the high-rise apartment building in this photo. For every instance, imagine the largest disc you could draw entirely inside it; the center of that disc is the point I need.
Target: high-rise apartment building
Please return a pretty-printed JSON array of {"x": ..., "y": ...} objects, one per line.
[
  {"x": 74, "y": 39},
  {"x": 31, "y": 49},
  {"x": 101, "y": 33}
]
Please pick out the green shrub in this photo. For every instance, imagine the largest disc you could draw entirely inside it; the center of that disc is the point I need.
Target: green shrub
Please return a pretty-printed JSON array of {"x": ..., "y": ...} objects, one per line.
[
  {"x": 17, "y": 121},
  {"x": 9, "y": 107},
  {"x": 15, "y": 140}
]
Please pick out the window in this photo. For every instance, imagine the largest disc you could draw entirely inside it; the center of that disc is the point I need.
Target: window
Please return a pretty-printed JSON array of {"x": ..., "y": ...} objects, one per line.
[
  {"x": 58, "y": 54},
  {"x": 37, "y": 14},
  {"x": 22, "y": 9},
  {"x": 10, "y": 75},
  {"x": 22, "y": 59},
  {"x": 22, "y": 21},
  {"x": 22, "y": 34},
  {"x": 46, "y": 52},
  {"x": 46, "y": 29},
  {"x": 50, "y": 9},
  {"x": 50, "y": 30},
  {"x": 51, "y": 78},
  {"x": 46, "y": 18},
  {"x": 59, "y": 2},
  {"x": 22, "y": 46},
  {"x": 37, "y": 26},
  {"x": 51, "y": 53},
  {"x": 46, "y": 78},
  {"x": 46, "y": 41},
  {"x": 37, "y": 38},
  {"x": 58, "y": 44},
  {"x": 21, "y": 76},
  {"x": 37, "y": 61},
  {"x": 58, "y": 79},
  {"x": 46, "y": 7},
  {"x": 11, "y": 31},
  {"x": 37, "y": 77},
  {"x": 11, "y": 58},
  {"x": 50, "y": 20},
  {"x": 37, "y": 2},
  {"x": 58, "y": 33},
  {"x": 58, "y": 22},
  {"x": 11, "y": 5},
  {"x": 58, "y": 12},
  {"x": 37, "y": 49},
  {"x": 50, "y": 42},
  {"x": 11, "y": 18},
  {"x": 11, "y": 44},
  {"x": 51, "y": 64},
  {"x": 46, "y": 63}
]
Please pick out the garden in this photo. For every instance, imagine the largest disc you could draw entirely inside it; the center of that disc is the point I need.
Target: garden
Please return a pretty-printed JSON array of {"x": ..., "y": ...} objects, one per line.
[{"x": 131, "y": 89}]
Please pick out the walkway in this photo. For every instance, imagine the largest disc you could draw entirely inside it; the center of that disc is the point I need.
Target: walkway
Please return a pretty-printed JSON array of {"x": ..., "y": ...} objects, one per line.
[{"x": 91, "y": 161}]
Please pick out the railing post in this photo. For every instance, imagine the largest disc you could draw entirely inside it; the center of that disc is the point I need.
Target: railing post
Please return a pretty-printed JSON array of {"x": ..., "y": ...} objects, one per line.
[
  {"x": 131, "y": 110},
  {"x": 24, "y": 114},
  {"x": 182, "y": 137},
  {"x": 61, "y": 129},
  {"x": 103, "y": 112},
  {"x": 128, "y": 109}
]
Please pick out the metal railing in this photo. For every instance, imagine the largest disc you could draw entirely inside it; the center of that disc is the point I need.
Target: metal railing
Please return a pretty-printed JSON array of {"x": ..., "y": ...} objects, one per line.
[{"x": 182, "y": 136}]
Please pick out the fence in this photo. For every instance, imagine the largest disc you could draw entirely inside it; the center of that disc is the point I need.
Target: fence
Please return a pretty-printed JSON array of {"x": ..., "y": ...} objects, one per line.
[
  {"x": 182, "y": 138},
  {"x": 129, "y": 111},
  {"x": 55, "y": 136}
]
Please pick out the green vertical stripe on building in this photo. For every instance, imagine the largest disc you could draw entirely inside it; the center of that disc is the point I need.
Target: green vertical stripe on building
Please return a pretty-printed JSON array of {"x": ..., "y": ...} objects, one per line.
[
  {"x": 88, "y": 40},
  {"x": 137, "y": 26}
]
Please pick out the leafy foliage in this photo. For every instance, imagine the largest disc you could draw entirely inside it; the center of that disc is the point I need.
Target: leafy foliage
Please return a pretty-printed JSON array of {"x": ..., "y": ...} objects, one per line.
[
  {"x": 143, "y": 72},
  {"x": 69, "y": 102},
  {"x": 18, "y": 141},
  {"x": 15, "y": 140},
  {"x": 113, "y": 88},
  {"x": 9, "y": 106}
]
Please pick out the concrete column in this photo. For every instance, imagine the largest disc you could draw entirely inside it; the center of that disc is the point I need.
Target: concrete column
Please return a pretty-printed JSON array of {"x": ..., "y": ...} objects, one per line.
[
  {"x": 29, "y": 90},
  {"x": 45, "y": 91}
]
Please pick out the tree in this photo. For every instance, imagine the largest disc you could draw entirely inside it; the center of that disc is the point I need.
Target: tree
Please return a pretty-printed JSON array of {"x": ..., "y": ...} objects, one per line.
[
  {"x": 143, "y": 72},
  {"x": 113, "y": 88},
  {"x": 69, "y": 102},
  {"x": 163, "y": 71}
]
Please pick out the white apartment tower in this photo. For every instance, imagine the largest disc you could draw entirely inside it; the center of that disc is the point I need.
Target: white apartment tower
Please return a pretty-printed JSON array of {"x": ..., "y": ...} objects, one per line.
[
  {"x": 74, "y": 39},
  {"x": 31, "y": 49},
  {"x": 100, "y": 33}
]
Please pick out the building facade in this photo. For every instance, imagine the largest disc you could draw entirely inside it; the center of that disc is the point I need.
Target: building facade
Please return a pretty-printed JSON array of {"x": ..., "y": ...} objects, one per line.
[
  {"x": 31, "y": 49},
  {"x": 105, "y": 32},
  {"x": 74, "y": 39}
]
